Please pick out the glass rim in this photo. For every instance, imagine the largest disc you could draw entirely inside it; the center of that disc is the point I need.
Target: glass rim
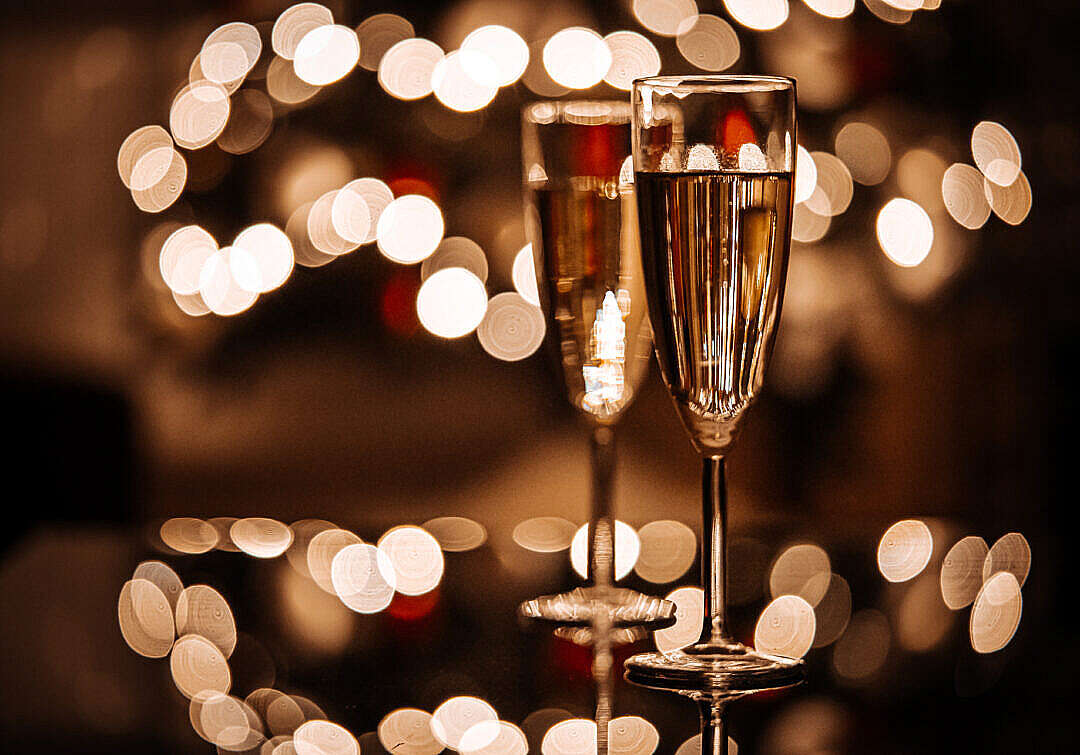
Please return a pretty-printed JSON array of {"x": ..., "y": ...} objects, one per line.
[
  {"x": 562, "y": 111},
  {"x": 719, "y": 82}
]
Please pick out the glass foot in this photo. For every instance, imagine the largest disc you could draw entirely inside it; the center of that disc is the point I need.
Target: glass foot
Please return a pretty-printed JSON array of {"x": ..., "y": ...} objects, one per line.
[
  {"x": 583, "y": 606},
  {"x": 718, "y": 671}
]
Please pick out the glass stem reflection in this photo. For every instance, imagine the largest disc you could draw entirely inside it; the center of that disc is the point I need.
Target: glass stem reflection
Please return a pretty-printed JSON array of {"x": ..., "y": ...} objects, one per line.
[
  {"x": 601, "y": 519},
  {"x": 714, "y": 551},
  {"x": 604, "y": 676},
  {"x": 714, "y": 734}
]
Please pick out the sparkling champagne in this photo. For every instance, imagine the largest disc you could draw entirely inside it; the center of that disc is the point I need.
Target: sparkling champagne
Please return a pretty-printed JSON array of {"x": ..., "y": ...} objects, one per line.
[
  {"x": 588, "y": 262},
  {"x": 715, "y": 250}
]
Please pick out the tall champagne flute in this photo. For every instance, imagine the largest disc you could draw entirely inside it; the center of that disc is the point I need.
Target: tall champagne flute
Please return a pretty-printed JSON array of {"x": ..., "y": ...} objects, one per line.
[
  {"x": 714, "y": 159},
  {"x": 581, "y": 220}
]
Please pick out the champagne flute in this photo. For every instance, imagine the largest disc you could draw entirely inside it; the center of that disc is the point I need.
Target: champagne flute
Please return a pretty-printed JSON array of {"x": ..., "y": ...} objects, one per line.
[
  {"x": 714, "y": 159},
  {"x": 581, "y": 219}
]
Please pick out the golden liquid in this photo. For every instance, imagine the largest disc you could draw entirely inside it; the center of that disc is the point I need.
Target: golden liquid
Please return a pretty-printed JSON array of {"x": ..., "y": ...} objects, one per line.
[
  {"x": 588, "y": 265},
  {"x": 715, "y": 250}
]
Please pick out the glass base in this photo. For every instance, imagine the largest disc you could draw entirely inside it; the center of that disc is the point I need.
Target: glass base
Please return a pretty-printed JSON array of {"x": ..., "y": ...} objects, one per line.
[
  {"x": 583, "y": 606},
  {"x": 718, "y": 671}
]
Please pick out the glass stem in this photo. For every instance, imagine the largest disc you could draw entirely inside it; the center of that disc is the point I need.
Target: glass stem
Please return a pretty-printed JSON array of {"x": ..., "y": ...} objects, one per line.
[
  {"x": 601, "y": 562},
  {"x": 714, "y": 551},
  {"x": 714, "y": 734},
  {"x": 604, "y": 676}
]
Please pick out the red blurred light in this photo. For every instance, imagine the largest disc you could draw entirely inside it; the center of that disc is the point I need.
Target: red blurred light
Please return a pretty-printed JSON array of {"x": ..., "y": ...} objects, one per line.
[
  {"x": 736, "y": 131},
  {"x": 397, "y": 302}
]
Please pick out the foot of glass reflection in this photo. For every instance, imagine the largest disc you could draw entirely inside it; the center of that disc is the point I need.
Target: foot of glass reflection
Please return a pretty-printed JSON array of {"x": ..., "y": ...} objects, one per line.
[
  {"x": 721, "y": 671},
  {"x": 583, "y": 606}
]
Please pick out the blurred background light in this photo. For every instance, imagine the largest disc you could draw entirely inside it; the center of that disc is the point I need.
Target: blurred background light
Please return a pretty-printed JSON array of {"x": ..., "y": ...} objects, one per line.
[
  {"x": 865, "y": 151},
  {"x": 202, "y": 610},
  {"x": 188, "y": 535},
  {"x": 964, "y": 197},
  {"x": 633, "y": 56},
  {"x": 524, "y": 275},
  {"x": 995, "y": 616},
  {"x": 667, "y": 552},
  {"x": 786, "y": 627},
  {"x": 506, "y": 49},
  {"x": 465, "y": 80},
  {"x": 805, "y": 175},
  {"x": 219, "y": 288},
  {"x": 1011, "y": 553},
  {"x": 326, "y": 54},
  {"x": 1011, "y": 203},
  {"x": 632, "y": 735},
  {"x": 406, "y": 68},
  {"x": 996, "y": 152},
  {"x": 689, "y": 619},
  {"x": 324, "y": 738},
  {"x": 577, "y": 58},
  {"x": 904, "y": 550},
  {"x": 261, "y": 537},
  {"x": 962, "y": 572},
  {"x": 708, "y": 42},
  {"x": 545, "y": 534},
  {"x": 833, "y": 611},
  {"x": 198, "y": 114},
  {"x": 270, "y": 253},
  {"x": 197, "y": 665},
  {"x": 408, "y": 731},
  {"x": 285, "y": 86},
  {"x": 456, "y": 251},
  {"x": 453, "y": 718},
  {"x": 451, "y": 303},
  {"x": 760, "y": 15},
  {"x": 796, "y": 571},
  {"x": 833, "y": 188},
  {"x": 456, "y": 534},
  {"x": 832, "y": 8},
  {"x": 295, "y": 23},
  {"x": 627, "y": 549},
  {"x": 664, "y": 17},
  {"x": 575, "y": 736},
  {"x": 416, "y": 558},
  {"x": 410, "y": 229},
  {"x": 146, "y": 618},
  {"x": 905, "y": 232},
  {"x": 323, "y": 547},
  {"x": 378, "y": 33},
  {"x": 863, "y": 648},
  {"x": 364, "y": 578},
  {"x": 512, "y": 328}
]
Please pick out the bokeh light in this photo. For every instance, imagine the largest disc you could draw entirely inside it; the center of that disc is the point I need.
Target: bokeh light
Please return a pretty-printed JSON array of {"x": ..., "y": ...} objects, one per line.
[
  {"x": 465, "y": 80},
  {"x": 225, "y": 721},
  {"x": 524, "y": 275},
  {"x": 202, "y": 610},
  {"x": 1010, "y": 553},
  {"x": 708, "y": 42},
  {"x": 265, "y": 256},
  {"x": 702, "y": 157},
  {"x": 322, "y": 549},
  {"x": 805, "y": 174},
  {"x": 996, "y": 153},
  {"x": 574, "y": 736},
  {"x": 296, "y": 228},
  {"x": 219, "y": 288},
  {"x": 324, "y": 234},
  {"x": 303, "y": 532},
  {"x": 162, "y": 575},
  {"x": 405, "y": 70},
  {"x": 261, "y": 537},
  {"x": 250, "y": 122},
  {"x": 545, "y": 534},
  {"x": 324, "y": 738},
  {"x": 632, "y": 735},
  {"x": 504, "y": 47},
  {"x": 494, "y": 738},
  {"x": 295, "y": 23},
  {"x": 833, "y": 188},
  {"x": 363, "y": 577},
  {"x": 378, "y": 33},
  {"x": 786, "y": 627},
  {"x": 760, "y": 15},
  {"x": 146, "y": 618},
  {"x": 633, "y": 56},
  {"x": 363, "y": 195},
  {"x": 664, "y": 17},
  {"x": 137, "y": 145},
  {"x": 833, "y": 612},
  {"x": 456, "y": 251},
  {"x": 416, "y": 558},
  {"x": 239, "y": 35},
  {"x": 667, "y": 551},
  {"x": 536, "y": 77},
  {"x": 512, "y": 328},
  {"x": 198, "y": 114},
  {"x": 408, "y": 731},
  {"x": 689, "y": 620},
  {"x": 577, "y": 58},
  {"x": 326, "y": 54},
  {"x": 410, "y": 229},
  {"x": 832, "y": 8},
  {"x": 962, "y": 572},
  {"x": 904, "y": 550},
  {"x": 995, "y": 616},
  {"x": 888, "y": 12},
  {"x": 922, "y": 622},
  {"x": 162, "y": 193},
  {"x": 796, "y": 571},
  {"x": 285, "y": 86},
  {"x": 919, "y": 174},
  {"x": 904, "y": 232},
  {"x": 453, "y": 718},
  {"x": 186, "y": 534},
  {"x": 865, "y": 151},
  {"x": 451, "y": 303},
  {"x": 964, "y": 196},
  {"x": 456, "y": 534},
  {"x": 197, "y": 665},
  {"x": 1011, "y": 203},
  {"x": 627, "y": 549}
]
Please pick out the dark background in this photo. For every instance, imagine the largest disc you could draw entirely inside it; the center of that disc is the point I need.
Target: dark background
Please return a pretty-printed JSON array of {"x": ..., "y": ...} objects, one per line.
[{"x": 955, "y": 407}]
